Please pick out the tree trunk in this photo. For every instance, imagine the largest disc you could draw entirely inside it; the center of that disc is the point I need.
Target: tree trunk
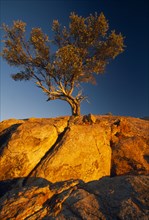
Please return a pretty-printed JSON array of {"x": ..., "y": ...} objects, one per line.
[{"x": 75, "y": 107}]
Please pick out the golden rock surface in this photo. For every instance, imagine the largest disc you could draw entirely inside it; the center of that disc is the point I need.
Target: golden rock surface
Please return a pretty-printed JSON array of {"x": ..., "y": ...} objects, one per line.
[
  {"x": 63, "y": 148},
  {"x": 88, "y": 167}
]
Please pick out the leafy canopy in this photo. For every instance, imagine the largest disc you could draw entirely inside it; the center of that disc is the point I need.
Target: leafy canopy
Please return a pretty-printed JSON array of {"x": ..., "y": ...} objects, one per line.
[{"x": 83, "y": 49}]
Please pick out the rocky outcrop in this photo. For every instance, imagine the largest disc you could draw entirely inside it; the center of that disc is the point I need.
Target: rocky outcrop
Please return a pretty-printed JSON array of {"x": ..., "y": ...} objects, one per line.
[
  {"x": 130, "y": 147},
  {"x": 83, "y": 153},
  {"x": 121, "y": 197},
  {"x": 88, "y": 167},
  {"x": 86, "y": 148},
  {"x": 24, "y": 143}
]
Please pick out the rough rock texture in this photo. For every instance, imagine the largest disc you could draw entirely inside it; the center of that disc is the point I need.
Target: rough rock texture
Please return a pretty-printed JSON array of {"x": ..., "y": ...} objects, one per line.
[
  {"x": 62, "y": 148},
  {"x": 24, "y": 142},
  {"x": 83, "y": 153},
  {"x": 121, "y": 197},
  {"x": 47, "y": 168},
  {"x": 130, "y": 146}
]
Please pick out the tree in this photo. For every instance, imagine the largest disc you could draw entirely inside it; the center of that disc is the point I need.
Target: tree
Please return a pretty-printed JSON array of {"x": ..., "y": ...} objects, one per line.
[{"x": 83, "y": 49}]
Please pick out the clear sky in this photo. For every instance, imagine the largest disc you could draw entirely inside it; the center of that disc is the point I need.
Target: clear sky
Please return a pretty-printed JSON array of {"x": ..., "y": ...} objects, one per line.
[{"x": 122, "y": 90}]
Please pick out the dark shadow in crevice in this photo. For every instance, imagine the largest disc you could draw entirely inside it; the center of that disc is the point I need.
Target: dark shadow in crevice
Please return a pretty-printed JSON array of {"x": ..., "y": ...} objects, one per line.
[
  {"x": 6, "y": 135},
  {"x": 146, "y": 157},
  {"x": 113, "y": 170},
  {"x": 16, "y": 183},
  {"x": 52, "y": 151}
]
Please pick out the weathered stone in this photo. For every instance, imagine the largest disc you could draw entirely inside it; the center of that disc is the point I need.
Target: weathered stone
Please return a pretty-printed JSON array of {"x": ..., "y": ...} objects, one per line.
[
  {"x": 24, "y": 143},
  {"x": 130, "y": 147},
  {"x": 83, "y": 153},
  {"x": 20, "y": 203},
  {"x": 90, "y": 118},
  {"x": 7, "y": 124},
  {"x": 63, "y": 149},
  {"x": 60, "y": 149},
  {"x": 123, "y": 197}
]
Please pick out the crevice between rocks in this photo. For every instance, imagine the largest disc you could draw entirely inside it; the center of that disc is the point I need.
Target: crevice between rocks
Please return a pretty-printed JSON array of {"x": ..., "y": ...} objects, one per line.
[
  {"x": 52, "y": 151},
  {"x": 58, "y": 199},
  {"x": 114, "y": 135}
]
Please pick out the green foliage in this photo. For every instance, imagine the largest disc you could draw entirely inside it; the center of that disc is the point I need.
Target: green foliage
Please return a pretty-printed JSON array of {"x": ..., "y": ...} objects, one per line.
[{"x": 84, "y": 48}]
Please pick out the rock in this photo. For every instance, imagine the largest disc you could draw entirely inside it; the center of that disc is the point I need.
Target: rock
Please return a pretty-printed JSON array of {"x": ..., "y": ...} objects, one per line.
[
  {"x": 24, "y": 143},
  {"x": 130, "y": 147},
  {"x": 61, "y": 149},
  {"x": 8, "y": 124},
  {"x": 83, "y": 153},
  {"x": 20, "y": 203},
  {"x": 58, "y": 168},
  {"x": 122, "y": 197},
  {"x": 89, "y": 118}
]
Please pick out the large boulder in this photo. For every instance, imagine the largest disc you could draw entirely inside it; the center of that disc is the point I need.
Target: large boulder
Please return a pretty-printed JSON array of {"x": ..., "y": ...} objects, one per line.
[
  {"x": 130, "y": 146},
  {"x": 121, "y": 197},
  {"x": 58, "y": 168},
  {"x": 86, "y": 148},
  {"x": 82, "y": 153},
  {"x": 24, "y": 142}
]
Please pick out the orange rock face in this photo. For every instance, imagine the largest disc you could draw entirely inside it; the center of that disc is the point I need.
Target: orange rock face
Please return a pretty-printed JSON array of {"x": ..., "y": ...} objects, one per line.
[
  {"x": 83, "y": 153},
  {"x": 24, "y": 143},
  {"x": 130, "y": 147},
  {"x": 61, "y": 149},
  {"x": 58, "y": 168}
]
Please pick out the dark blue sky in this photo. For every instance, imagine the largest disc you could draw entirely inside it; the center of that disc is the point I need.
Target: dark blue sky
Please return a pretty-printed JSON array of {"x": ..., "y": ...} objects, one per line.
[{"x": 122, "y": 90}]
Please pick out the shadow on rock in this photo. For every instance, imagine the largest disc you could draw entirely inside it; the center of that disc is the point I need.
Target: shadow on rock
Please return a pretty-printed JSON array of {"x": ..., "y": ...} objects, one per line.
[
  {"x": 6, "y": 134},
  {"x": 11, "y": 184},
  {"x": 121, "y": 197}
]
